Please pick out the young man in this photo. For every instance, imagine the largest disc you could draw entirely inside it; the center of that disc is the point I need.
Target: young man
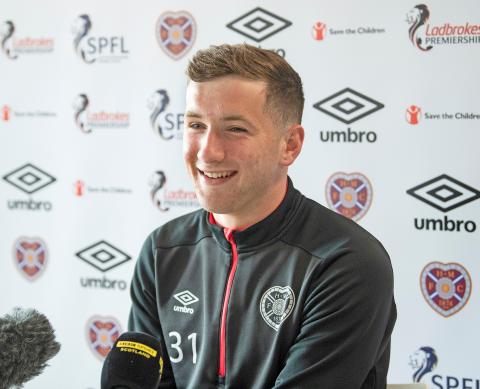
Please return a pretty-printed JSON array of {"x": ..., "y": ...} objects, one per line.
[{"x": 263, "y": 287}]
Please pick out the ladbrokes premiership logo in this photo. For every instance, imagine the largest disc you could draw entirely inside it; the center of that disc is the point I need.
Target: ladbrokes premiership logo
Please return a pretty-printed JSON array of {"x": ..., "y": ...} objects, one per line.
[
  {"x": 93, "y": 48},
  {"x": 446, "y": 287},
  {"x": 349, "y": 194},
  {"x": 260, "y": 24},
  {"x": 425, "y": 36},
  {"x": 348, "y": 106},
  {"x": 29, "y": 179},
  {"x": 13, "y": 47},
  {"x": 166, "y": 124},
  {"x": 176, "y": 33},
  {"x": 30, "y": 257},
  {"x": 164, "y": 198},
  {"x": 423, "y": 361},
  {"x": 102, "y": 332},
  {"x": 445, "y": 194},
  {"x": 87, "y": 120}
]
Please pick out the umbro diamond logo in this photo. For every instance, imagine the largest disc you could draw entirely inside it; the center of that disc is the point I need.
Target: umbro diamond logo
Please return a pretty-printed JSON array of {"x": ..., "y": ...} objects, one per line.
[
  {"x": 444, "y": 193},
  {"x": 348, "y": 106},
  {"x": 259, "y": 24},
  {"x": 29, "y": 178},
  {"x": 103, "y": 256},
  {"x": 186, "y": 298}
]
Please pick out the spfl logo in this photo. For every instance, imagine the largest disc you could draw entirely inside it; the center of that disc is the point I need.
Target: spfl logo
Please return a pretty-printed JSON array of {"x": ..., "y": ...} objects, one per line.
[
  {"x": 348, "y": 106},
  {"x": 176, "y": 33},
  {"x": 167, "y": 125},
  {"x": 104, "y": 257},
  {"x": 445, "y": 194},
  {"x": 31, "y": 257},
  {"x": 276, "y": 305},
  {"x": 102, "y": 332},
  {"x": 260, "y": 24},
  {"x": 164, "y": 198},
  {"x": 349, "y": 194},
  {"x": 446, "y": 287},
  {"x": 87, "y": 120},
  {"x": 12, "y": 47},
  {"x": 423, "y": 361},
  {"x": 29, "y": 179},
  {"x": 186, "y": 298},
  {"x": 90, "y": 49},
  {"x": 425, "y": 36}
]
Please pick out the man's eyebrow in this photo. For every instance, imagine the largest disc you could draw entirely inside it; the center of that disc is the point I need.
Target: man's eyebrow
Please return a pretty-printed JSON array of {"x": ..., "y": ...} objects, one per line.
[{"x": 192, "y": 114}]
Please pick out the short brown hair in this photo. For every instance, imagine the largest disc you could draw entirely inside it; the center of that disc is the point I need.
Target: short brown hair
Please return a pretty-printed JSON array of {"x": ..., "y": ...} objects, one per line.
[{"x": 284, "y": 93}]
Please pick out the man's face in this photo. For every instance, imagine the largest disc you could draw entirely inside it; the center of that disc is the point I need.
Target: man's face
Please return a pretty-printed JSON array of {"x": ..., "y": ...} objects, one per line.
[{"x": 232, "y": 149}]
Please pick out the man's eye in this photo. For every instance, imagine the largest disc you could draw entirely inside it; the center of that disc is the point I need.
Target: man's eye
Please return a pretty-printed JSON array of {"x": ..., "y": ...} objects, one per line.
[
  {"x": 195, "y": 126},
  {"x": 237, "y": 129}
]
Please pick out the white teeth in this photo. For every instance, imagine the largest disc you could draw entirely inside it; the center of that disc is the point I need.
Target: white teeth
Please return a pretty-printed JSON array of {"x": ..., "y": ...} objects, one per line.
[{"x": 217, "y": 174}]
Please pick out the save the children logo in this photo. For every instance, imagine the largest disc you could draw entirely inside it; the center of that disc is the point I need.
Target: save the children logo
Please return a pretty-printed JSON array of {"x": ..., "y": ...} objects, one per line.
[
  {"x": 349, "y": 194},
  {"x": 12, "y": 46},
  {"x": 276, "y": 305},
  {"x": 88, "y": 120},
  {"x": 166, "y": 124},
  {"x": 415, "y": 114},
  {"x": 31, "y": 256},
  {"x": 320, "y": 31},
  {"x": 446, "y": 287},
  {"x": 176, "y": 33},
  {"x": 165, "y": 198},
  {"x": 97, "y": 48},
  {"x": 102, "y": 333},
  {"x": 424, "y": 35}
]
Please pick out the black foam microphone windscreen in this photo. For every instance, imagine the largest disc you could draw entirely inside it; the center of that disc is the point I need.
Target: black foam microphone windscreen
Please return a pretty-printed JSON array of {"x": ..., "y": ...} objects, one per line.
[
  {"x": 27, "y": 342},
  {"x": 134, "y": 362}
]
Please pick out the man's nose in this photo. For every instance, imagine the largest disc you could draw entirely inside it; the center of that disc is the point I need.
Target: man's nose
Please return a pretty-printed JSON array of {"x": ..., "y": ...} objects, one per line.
[{"x": 212, "y": 148}]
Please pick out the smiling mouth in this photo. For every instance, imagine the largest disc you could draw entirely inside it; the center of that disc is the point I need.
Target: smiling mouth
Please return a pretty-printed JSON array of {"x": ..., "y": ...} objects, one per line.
[{"x": 217, "y": 175}]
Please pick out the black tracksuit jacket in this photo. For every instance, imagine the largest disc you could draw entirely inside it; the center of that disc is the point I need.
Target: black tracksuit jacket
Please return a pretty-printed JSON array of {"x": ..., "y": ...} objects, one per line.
[{"x": 302, "y": 299}]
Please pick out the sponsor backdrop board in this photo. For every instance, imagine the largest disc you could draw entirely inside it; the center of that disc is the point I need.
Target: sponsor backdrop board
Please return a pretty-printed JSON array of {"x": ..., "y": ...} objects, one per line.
[{"x": 91, "y": 117}]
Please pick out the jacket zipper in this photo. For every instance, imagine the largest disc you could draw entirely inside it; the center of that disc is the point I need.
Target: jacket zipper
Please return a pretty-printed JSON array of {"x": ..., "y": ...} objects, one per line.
[{"x": 223, "y": 323}]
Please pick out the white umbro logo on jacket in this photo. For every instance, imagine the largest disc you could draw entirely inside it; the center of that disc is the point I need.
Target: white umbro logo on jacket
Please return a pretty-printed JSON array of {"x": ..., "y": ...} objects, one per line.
[{"x": 186, "y": 298}]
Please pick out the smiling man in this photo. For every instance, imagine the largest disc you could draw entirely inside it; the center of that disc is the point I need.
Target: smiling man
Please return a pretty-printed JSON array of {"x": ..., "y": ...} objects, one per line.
[{"x": 263, "y": 287}]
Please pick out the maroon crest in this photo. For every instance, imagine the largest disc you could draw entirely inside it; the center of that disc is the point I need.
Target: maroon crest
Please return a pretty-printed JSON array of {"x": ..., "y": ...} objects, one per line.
[
  {"x": 102, "y": 332},
  {"x": 446, "y": 287},
  {"x": 30, "y": 257},
  {"x": 176, "y": 32},
  {"x": 349, "y": 194}
]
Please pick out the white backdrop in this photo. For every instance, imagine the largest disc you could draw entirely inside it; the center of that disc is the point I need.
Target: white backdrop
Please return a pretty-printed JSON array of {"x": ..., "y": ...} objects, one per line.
[{"x": 91, "y": 105}]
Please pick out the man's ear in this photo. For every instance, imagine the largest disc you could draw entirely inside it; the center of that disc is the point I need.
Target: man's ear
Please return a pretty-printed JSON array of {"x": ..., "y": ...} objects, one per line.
[{"x": 293, "y": 142}]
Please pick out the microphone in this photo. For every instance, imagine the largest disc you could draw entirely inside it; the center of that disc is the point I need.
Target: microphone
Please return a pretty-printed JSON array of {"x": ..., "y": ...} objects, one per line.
[
  {"x": 134, "y": 362},
  {"x": 27, "y": 342}
]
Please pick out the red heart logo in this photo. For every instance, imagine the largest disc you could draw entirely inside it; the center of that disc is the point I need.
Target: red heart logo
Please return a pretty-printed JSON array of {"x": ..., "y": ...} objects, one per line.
[
  {"x": 30, "y": 257},
  {"x": 176, "y": 32},
  {"x": 446, "y": 287},
  {"x": 349, "y": 194},
  {"x": 102, "y": 332}
]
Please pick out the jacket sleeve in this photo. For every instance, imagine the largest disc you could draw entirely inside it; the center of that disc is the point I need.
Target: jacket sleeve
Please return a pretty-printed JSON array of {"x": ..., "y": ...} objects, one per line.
[
  {"x": 144, "y": 313},
  {"x": 344, "y": 336}
]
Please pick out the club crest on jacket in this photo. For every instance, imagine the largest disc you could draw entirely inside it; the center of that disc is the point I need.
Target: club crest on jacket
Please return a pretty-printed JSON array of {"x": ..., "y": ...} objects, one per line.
[{"x": 276, "y": 305}]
